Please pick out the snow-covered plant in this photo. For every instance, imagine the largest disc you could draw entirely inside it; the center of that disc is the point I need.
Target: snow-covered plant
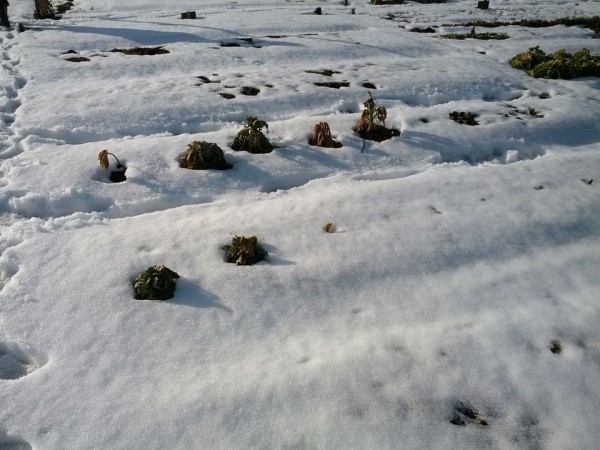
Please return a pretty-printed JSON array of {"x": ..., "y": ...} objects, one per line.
[
  {"x": 156, "y": 283},
  {"x": 251, "y": 139},
  {"x": 203, "y": 155},
  {"x": 244, "y": 251}
]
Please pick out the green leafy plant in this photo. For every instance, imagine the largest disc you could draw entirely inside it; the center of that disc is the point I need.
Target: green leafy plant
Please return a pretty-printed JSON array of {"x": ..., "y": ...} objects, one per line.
[
  {"x": 251, "y": 139},
  {"x": 156, "y": 283},
  {"x": 203, "y": 155},
  {"x": 244, "y": 251},
  {"x": 473, "y": 35},
  {"x": 559, "y": 65}
]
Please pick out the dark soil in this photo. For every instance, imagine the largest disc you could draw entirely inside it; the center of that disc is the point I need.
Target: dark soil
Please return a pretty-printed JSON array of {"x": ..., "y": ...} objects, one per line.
[
  {"x": 324, "y": 72},
  {"x": 249, "y": 90},
  {"x": 118, "y": 176},
  {"x": 369, "y": 85},
  {"x": 464, "y": 413},
  {"x": 207, "y": 80},
  {"x": 555, "y": 347},
  {"x": 77, "y": 59},
  {"x": 141, "y": 51},
  {"x": 226, "y": 95},
  {"x": 332, "y": 84},
  {"x": 379, "y": 133},
  {"x": 422, "y": 30}
]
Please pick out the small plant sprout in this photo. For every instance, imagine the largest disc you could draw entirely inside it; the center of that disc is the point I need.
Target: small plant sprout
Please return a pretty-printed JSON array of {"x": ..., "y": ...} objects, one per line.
[
  {"x": 244, "y": 251},
  {"x": 116, "y": 176},
  {"x": 251, "y": 139},
  {"x": 203, "y": 155},
  {"x": 156, "y": 283},
  {"x": 372, "y": 122},
  {"x": 322, "y": 137}
]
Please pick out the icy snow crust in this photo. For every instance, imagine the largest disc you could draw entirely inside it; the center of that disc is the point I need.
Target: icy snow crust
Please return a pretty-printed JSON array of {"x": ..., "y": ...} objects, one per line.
[{"x": 455, "y": 305}]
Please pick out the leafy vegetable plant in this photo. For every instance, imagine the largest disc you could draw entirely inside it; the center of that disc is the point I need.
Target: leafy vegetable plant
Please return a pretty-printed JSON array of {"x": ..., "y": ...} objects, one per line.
[
  {"x": 322, "y": 136},
  {"x": 156, "y": 283},
  {"x": 203, "y": 155},
  {"x": 251, "y": 139},
  {"x": 559, "y": 65},
  {"x": 244, "y": 251},
  {"x": 372, "y": 122}
]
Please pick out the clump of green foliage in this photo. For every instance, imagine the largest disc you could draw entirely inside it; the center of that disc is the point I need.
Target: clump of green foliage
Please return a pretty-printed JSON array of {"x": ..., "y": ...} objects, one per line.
[
  {"x": 251, "y": 139},
  {"x": 593, "y": 23},
  {"x": 156, "y": 283},
  {"x": 559, "y": 65},
  {"x": 472, "y": 35},
  {"x": 244, "y": 251},
  {"x": 203, "y": 155}
]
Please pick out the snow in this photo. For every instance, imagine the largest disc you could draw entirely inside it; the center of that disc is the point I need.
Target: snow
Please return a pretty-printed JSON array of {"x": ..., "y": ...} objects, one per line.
[{"x": 459, "y": 252}]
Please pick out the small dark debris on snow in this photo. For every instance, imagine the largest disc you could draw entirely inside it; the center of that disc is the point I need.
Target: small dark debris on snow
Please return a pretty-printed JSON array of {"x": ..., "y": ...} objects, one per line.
[
  {"x": 539, "y": 188},
  {"x": 544, "y": 96},
  {"x": 207, "y": 80},
  {"x": 226, "y": 95},
  {"x": 318, "y": 11},
  {"x": 229, "y": 44},
  {"x": 435, "y": 210},
  {"x": 70, "y": 52},
  {"x": 456, "y": 420},
  {"x": 424, "y": 120},
  {"x": 586, "y": 181},
  {"x": 464, "y": 413},
  {"x": 369, "y": 85},
  {"x": 555, "y": 346}
]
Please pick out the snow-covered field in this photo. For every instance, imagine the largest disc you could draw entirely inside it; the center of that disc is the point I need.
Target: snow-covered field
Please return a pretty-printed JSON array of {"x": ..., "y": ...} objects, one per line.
[{"x": 455, "y": 305}]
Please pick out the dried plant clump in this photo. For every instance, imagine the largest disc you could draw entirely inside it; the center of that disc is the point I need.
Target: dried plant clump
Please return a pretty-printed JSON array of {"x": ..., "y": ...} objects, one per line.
[
  {"x": 464, "y": 118},
  {"x": 251, "y": 139},
  {"x": 322, "y": 137},
  {"x": 559, "y": 65},
  {"x": 156, "y": 283},
  {"x": 244, "y": 251},
  {"x": 372, "y": 122},
  {"x": 203, "y": 155},
  {"x": 116, "y": 176}
]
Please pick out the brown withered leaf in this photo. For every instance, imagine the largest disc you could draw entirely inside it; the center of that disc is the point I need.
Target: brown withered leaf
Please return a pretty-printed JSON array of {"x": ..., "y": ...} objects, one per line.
[
  {"x": 330, "y": 228},
  {"x": 103, "y": 158}
]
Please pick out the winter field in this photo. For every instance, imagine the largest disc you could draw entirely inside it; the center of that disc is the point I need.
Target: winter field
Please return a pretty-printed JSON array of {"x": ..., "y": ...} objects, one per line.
[{"x": 455, "y": 305}]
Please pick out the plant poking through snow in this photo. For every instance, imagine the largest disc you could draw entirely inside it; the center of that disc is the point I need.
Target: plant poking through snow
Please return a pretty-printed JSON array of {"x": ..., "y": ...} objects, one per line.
[
  {"x": 322, "y": 137},
  {"x": 244, "y": 251},
  {"x": 559, "y": 65},
  {"x": 103, "y": 158},
  {"x": 372, "y": 116},
  {"x": 203, "y": 155},
  {"x": 156, "y": 283},
  {"x": 251, "y": 139}
]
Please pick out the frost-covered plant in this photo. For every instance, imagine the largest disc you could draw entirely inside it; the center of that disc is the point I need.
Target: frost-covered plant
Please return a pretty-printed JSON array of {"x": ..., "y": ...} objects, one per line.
[
  {"x": 559, "y": 65},
  {"x": 244, "y": 251},
  {"x": 251, "y": 139},
  {"x": 322, "y": 136},
  {"x": 203, "y": 155},
  {"x": 156, "y": 283},
  {"x": 373, "y": 116}
]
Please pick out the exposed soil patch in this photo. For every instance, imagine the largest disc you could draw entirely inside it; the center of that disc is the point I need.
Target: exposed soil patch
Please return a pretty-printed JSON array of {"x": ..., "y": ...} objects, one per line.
[
  {"x": 207, "y": 80},
  {"x": 378, "y": 133},
  {"x": 141, "y": 51},
  {"x": 369, "y": 85},
  {"x": 593, "y": 23},
  {"x": 332, "y": 84},
  {"x": 227, "y": 95},
  {"x": 555, "y": 347},
  {"x": 464, "y": 118},
  {"x": 324, "y": 72},
  {"x": 422, "y": 30},
  {"x": 249, "y": 90},
  {"x": 77, "y": 59},
  {"x": 244, "y": 41}
]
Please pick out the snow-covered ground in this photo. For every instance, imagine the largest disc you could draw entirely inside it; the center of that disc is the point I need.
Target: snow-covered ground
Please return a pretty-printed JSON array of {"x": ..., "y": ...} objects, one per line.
[{"x": 461, "y": 282}]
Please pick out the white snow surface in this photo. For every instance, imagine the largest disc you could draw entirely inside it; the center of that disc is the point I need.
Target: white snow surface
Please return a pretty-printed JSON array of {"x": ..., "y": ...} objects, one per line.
[{"x": 461, "y": 255}]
